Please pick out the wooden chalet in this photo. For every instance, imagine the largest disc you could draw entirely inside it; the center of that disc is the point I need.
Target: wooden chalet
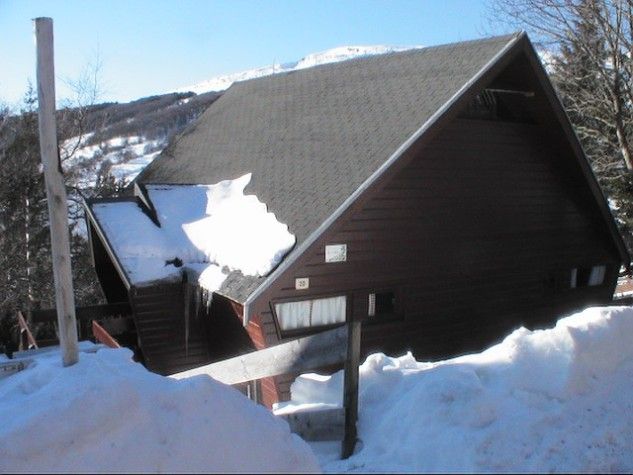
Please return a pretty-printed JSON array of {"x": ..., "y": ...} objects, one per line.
[{"x": 438, "y": 195}]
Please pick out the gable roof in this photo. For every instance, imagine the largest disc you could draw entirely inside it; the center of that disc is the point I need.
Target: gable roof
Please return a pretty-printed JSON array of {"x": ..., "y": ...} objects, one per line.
[
  {"x": 311, "y": 138},
  {"x": 314, "y": 139}
]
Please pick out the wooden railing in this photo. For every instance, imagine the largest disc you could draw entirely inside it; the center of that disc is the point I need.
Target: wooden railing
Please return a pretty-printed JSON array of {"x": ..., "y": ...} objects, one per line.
[
  {"x": 89, "y": 312},
  {"x": 303, "y": 354},
  {"x": 84, "y": 316}
]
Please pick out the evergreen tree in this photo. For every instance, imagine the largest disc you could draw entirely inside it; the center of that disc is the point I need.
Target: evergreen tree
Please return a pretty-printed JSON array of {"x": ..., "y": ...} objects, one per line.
[
  {"x": 25, "y": 241},
  {"x": 26, "y": 276}
]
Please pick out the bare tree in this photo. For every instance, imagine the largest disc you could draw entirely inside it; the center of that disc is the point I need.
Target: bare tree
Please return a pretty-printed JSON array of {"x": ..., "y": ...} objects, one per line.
[{"x": 602, "y": 107}]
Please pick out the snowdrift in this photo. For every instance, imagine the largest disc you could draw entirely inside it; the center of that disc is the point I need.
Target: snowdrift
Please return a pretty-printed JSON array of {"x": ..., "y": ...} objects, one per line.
[
  {"x": 557, "y": 400},
  {"x": 108, "y": 414}
]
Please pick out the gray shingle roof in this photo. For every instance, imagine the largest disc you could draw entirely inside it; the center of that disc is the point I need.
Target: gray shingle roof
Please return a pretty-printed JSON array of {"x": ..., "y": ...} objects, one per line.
[{"x": 312, "y": 137}]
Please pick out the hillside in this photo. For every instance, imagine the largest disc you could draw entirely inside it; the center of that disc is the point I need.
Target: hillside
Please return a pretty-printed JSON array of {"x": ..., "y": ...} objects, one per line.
[{"x": 123, "y": 138}]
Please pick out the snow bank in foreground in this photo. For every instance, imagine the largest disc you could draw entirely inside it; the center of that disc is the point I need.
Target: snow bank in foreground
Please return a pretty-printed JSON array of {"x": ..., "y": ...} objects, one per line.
[
  {"x": 108, "y": 414},
  {"x": 206, "y": 227},
  {"x": 558, "y": 400}
]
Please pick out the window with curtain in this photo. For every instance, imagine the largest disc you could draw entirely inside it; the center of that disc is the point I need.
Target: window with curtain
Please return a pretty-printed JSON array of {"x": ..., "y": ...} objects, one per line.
[{"x": 311, "y": 313}]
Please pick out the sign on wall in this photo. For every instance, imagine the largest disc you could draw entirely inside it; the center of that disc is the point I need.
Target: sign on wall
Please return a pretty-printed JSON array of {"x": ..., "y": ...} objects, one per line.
[
  {"x": 336, "y": 253},
  {"x": 302, "y": 283}
]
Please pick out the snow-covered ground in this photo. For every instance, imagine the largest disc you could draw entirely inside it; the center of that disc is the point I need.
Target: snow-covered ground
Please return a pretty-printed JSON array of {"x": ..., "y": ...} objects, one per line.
[
  {"x": 334, "y": 55},
  {"x": 557, "y": 400},
  {"x": 109, "y": 414}
]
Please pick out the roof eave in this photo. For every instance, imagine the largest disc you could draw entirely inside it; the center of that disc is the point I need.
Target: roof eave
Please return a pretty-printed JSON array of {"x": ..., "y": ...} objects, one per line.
[{"x": 102, "y": 236}]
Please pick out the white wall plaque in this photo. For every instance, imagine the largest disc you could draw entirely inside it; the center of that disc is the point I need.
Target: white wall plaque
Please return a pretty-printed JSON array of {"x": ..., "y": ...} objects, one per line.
[
  {"x": 302, "y": 283},
  {"x": 336, "y": 253}
]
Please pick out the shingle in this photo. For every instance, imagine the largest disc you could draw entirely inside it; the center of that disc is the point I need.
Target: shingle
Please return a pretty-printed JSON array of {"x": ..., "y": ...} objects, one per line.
[{"x": 300, "y": 133}]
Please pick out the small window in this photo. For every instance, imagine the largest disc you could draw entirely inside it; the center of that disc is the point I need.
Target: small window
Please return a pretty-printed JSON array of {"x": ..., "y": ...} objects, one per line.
[
  {"x": 597, "y": 275},
  {"x": 382, "y": 304},
  {"x": 587, "y": 276},
  {"x": 311, "y": 313}
]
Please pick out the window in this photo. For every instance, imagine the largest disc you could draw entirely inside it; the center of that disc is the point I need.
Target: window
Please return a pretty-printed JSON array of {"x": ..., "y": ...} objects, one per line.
[
  {"x": 311, "y": 313},
  {"x": 587, "y": 276},
  {"x": 382, "y": 305}
]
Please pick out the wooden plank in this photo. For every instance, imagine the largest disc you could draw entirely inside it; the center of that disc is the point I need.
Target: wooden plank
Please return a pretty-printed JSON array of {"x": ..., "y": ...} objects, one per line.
[
  {"x": 103, "y": 336},
  {"x": 350, "y": 388},
  {"x": 295, "y": 356},
  {"x": 317, "y": 425},
  {"x": 55, "y": 192}
]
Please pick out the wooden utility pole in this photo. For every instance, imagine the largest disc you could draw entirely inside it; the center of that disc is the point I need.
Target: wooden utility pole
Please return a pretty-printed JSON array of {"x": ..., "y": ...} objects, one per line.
[{"x": 55, "y": 192}]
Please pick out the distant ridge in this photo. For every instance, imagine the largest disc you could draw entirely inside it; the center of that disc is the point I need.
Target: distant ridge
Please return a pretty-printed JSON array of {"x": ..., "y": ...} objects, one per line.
[{"x": 334, "y": 55}]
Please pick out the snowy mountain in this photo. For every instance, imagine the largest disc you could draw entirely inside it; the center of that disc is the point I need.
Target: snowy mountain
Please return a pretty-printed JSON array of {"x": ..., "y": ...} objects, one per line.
[{"x": 334, "y": 55}]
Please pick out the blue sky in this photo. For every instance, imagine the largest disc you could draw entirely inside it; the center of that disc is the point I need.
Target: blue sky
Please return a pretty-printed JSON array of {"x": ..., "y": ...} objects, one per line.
[{"x": 153, "y": 46}]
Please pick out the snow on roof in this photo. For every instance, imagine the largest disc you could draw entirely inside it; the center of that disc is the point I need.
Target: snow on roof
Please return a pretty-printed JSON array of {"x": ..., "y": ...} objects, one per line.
[
  {"x": 207, "y": 229},
  {"x": 108, "y": 414},
  {"x": 556, "y": 400}
]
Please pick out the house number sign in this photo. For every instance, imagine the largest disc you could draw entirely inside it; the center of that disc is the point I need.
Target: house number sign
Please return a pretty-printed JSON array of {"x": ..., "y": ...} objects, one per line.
[{"x": 336, "y": 253}]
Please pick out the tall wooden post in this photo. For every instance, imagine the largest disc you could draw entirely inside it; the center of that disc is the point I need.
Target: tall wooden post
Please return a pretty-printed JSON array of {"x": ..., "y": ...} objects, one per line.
[
  {"x": 350, "y": 388},
  {"x": 55, "y": 192}
]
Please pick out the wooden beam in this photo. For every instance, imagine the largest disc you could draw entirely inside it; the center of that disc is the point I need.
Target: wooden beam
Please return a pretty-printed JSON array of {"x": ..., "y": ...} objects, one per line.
[
  {"x": 350, "y": 389},
  {"x": 25, "y": 328},
  {"x": 296, "y": 356},
  {"x": 102, "y": 336},
  {"x": 55, "y": 192}
]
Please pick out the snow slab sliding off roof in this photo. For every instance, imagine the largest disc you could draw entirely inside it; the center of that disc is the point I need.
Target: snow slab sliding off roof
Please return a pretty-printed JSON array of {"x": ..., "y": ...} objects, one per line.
[{"x": 211, "y": 229}]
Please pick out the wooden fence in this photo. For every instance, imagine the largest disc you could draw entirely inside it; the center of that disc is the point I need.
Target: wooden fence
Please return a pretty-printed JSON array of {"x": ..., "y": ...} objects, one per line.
[
  {"x": 85, "y": 315},
  {"x": 303, "y": 354}
]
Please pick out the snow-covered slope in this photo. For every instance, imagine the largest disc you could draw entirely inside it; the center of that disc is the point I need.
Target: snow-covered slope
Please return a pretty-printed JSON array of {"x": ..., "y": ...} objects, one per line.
[
  {"x": 123, "y": 156},
  {"x": 334, "y": 55}
]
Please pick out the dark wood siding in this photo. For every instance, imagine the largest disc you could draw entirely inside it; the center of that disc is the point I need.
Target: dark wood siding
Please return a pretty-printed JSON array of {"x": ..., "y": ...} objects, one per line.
[
  {"x": 227, "y": 336},
  {"x": 169, "y": 342},
  {"x": 477, "y": 235}
]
